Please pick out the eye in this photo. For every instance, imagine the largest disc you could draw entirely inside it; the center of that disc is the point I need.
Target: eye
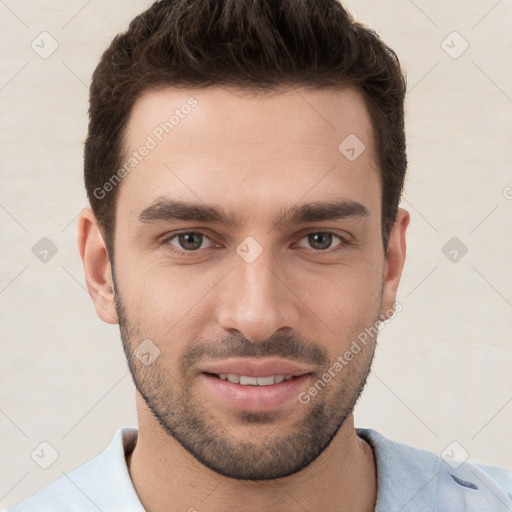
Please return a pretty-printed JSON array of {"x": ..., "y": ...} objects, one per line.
[
  {"x": 323, "y": 240},
  {"x": 189, "y": 241}
]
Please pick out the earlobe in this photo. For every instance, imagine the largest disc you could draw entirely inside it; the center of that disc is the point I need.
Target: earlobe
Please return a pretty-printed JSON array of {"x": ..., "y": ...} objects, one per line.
[
  {"x": 97, "y": 269},
  {"x": 395, "y": 259}
]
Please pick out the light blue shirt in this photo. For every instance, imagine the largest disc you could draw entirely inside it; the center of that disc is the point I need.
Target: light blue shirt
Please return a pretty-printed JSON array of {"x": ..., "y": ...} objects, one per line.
[{"x": 408, "y": 480}]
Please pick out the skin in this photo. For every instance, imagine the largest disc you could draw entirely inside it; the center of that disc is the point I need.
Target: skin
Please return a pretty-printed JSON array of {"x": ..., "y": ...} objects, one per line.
[{"x": 255, "y": 155}]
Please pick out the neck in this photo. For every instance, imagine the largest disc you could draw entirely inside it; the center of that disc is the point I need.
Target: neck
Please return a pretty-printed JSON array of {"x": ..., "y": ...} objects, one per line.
[{"x": 168, "y": 478}]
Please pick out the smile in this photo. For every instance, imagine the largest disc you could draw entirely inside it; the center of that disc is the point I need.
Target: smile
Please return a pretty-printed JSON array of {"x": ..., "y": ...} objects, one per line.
[{"x": 245, "y": 380}]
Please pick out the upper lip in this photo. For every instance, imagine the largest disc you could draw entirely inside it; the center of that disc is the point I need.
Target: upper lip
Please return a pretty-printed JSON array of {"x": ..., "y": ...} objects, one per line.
[{"x": 256, "y": 367}]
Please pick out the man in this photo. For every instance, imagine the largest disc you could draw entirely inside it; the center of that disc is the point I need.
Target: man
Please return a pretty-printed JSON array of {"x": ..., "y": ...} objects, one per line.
[{"x": 244, "y": 164}]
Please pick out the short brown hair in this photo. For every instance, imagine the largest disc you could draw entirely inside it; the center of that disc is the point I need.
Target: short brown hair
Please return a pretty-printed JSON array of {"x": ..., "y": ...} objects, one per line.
[{"x": 256, "y": 45}]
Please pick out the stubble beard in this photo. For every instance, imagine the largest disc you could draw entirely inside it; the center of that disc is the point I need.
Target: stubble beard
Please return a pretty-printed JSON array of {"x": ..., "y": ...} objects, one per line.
[{"x": 275, "y": 455}]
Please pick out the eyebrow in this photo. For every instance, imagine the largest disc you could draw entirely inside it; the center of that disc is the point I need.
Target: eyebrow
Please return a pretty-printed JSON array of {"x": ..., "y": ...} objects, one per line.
[{"x": 166, "y": 210}]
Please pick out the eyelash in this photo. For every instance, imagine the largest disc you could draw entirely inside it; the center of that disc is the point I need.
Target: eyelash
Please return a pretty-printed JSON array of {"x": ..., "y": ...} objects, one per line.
[{"x": 186, "y": 254}]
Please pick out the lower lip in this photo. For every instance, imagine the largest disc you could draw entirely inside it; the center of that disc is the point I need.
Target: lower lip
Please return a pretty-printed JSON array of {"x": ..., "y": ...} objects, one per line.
[{"x": 255, "y": 398}]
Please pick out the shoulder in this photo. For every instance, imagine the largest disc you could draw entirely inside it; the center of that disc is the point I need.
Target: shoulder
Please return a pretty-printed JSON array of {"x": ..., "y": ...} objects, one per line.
[
  {"x": 500, "y": 476},
  {"x": 417, "y": 480},
  {"x": 58, "y": 496},
  {"x": 102, "y": 483},
  {"x": 472, "y": 487}
]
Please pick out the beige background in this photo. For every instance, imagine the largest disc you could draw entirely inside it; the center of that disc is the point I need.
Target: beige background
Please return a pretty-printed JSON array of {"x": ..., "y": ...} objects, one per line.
[{"x": 443, "y": 367}]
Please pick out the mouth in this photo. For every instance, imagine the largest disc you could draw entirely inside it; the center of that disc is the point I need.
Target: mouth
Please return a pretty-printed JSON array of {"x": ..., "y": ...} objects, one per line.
[
  {"x": 245, "y": 380},
  {"x": 254, "y": 384},
  {"x": 255, "y": 372}
]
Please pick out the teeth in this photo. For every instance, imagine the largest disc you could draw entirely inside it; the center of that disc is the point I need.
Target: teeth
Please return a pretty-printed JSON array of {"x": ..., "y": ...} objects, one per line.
[
  {"x": 248, "y": 381},
  {"x": 254, "y": 381},
  {"x": 265, "y": 381}
]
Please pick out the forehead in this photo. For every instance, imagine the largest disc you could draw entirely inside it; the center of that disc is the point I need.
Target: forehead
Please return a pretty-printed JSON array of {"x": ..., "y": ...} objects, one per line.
[{"x": 219, "y": 145}]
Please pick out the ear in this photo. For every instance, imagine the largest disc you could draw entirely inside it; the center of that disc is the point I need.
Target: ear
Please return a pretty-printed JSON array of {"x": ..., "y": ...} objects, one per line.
[
  {"x": 395, "y": 259},
  {"x": 98, "y": 272}
]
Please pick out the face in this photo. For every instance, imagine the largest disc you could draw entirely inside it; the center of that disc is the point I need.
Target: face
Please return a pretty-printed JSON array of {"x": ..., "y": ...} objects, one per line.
[{"x": 248, "y": 260}]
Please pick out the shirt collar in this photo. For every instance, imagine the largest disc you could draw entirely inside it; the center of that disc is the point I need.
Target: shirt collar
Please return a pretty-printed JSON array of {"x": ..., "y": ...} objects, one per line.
[
  {"x": 406, "y": 476},
  {"x": 111, "y": 465}
]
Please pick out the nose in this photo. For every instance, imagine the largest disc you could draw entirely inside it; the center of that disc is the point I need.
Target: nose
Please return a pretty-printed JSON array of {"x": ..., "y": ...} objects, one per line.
[{"x": 256, "y": 299}]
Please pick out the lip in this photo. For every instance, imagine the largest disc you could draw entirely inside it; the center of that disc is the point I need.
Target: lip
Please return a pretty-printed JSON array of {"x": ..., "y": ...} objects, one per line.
[
  {"x": 256, "y": 367},
  {"x": 254, "y": 398}
]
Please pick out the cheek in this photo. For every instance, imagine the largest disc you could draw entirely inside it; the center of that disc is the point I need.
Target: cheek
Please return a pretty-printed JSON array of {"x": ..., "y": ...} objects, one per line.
[
  {"x": 166, "y": 303},
  {"x": 344, "y": 302}
]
